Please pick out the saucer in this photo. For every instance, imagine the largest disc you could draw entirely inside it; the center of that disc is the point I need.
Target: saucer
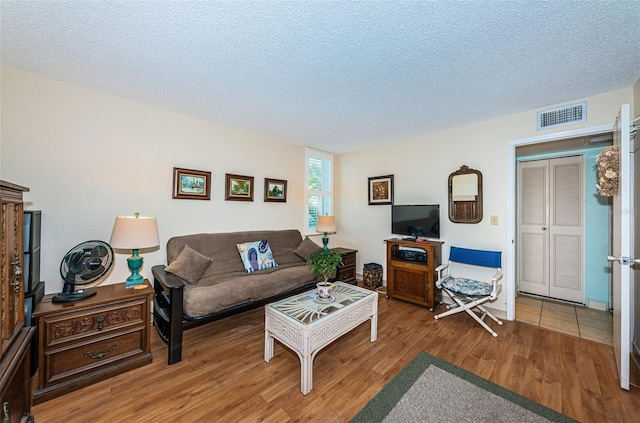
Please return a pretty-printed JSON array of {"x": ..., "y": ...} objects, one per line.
[{"x": 320, "y": 300}]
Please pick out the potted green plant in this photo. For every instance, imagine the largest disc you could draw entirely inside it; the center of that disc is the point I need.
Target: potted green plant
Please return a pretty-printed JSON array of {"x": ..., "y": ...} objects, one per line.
[{"x": 325, "y": 263}]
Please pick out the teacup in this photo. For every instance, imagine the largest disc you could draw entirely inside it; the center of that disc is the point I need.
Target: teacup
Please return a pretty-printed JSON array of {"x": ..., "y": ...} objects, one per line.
[{"x": 325, "y": 289}]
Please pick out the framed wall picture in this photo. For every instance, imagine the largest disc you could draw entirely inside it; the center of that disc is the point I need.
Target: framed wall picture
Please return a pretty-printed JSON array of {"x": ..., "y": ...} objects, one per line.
[
  {"x": 381, "y": 190},
  {"x": 189, "y": 184},
  {"x": 238, "y": 188},
  {"x": 275, "y": 190}
]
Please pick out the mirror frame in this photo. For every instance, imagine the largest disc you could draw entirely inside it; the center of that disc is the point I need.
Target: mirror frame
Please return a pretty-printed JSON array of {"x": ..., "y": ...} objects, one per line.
[{"x": 466, "y": 170}]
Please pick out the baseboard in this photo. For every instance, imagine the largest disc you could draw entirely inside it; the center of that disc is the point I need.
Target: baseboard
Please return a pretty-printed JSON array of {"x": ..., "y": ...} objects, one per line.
[
  {"x": 597, "y": 305},
  {"x": 500, "y": 314}
]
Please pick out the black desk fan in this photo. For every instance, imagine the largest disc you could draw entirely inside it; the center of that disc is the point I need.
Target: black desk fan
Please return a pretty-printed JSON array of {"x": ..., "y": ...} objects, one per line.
[{"x": 82, "y": 265}]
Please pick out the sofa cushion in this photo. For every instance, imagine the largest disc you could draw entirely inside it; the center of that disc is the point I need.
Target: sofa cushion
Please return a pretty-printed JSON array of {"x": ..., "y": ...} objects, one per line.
[
  {"x": 221, "y": 247},
  {"x": 220, "y": 292},
  {"x": 256, "y": 255},
  {"x": 306, "y": 248},
  {"x": 190, "y": 265}
]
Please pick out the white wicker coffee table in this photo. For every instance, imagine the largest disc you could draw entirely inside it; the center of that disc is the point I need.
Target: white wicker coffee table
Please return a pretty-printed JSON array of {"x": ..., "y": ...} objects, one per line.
[{"x": 306, "y": 325}]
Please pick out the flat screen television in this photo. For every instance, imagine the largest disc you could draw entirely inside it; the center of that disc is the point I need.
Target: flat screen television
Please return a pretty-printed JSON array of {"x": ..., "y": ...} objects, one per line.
[{"x": 416, "y": 221}]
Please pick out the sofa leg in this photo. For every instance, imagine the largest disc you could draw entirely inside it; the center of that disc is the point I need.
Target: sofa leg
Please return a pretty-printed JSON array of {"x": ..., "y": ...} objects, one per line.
[
  {"x": 175, "y": 352},
  {"x": 175, "y": 326}
]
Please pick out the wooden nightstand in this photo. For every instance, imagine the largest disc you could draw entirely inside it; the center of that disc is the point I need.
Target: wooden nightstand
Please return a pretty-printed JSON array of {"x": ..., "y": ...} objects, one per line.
[
  {"x": 91, "y": 340},
  {"x": 346, "y": 272}
]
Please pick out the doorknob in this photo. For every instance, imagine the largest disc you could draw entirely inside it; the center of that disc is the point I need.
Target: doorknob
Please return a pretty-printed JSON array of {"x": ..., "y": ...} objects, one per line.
[
  {"x": 623, "y": 260},
  {"x": 544, "y": 228}
]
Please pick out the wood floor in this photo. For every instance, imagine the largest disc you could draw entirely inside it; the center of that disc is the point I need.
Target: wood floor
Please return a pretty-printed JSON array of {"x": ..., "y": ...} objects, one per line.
[{"x": 223, "y": 376}]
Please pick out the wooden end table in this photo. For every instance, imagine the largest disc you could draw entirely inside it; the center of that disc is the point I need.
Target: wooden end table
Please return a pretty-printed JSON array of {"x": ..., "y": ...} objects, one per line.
[
  {"x": 346, "y": 272},
  {"x": 84, "y": 342}
]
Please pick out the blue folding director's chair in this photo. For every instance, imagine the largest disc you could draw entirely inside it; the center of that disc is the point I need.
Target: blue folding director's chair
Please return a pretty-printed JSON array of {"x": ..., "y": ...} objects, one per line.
[{"x": 454, "y": 278}]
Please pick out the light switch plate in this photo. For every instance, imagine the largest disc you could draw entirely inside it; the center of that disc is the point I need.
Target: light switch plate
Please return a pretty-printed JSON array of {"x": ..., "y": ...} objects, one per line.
[{"x": 494, "y": 220}]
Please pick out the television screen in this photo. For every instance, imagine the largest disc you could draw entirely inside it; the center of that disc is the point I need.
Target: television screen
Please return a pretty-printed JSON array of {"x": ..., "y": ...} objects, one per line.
[{"x": 416, "y": 220}]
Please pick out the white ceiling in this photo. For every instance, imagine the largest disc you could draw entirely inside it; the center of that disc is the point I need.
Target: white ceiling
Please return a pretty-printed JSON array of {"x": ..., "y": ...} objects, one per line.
[{"x": 338, "y": 75}]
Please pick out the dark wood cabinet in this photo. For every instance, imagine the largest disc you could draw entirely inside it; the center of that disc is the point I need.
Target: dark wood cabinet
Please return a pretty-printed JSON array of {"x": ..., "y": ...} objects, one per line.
[
  {"x": 346, "y": 272},
  {"x": 15, "y": 383},
  {"x": 93, "y": 339},
  {"x": 411, "y": 272}
]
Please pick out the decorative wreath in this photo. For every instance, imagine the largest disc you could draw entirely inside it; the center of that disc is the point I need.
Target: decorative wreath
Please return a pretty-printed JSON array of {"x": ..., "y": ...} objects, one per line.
[{"x": 608, "y": 171}]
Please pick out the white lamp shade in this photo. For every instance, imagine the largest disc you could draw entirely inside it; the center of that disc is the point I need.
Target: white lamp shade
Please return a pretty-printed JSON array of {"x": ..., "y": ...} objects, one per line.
[
  {"x": 326, "y": 224},
  {"x": 133, "y": 233}
]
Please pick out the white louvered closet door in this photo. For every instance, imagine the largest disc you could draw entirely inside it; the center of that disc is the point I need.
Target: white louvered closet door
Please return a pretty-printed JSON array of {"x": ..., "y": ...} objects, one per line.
[
  {"x": 533, "y": 217},
  {"x": 551, "y": 228}
]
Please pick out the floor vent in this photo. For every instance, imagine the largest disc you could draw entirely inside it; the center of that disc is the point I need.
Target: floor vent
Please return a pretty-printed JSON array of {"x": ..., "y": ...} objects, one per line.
[{"x": 561, "y": 116}]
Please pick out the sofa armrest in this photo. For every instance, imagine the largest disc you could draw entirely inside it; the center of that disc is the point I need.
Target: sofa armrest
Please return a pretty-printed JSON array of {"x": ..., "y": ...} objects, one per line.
[
  {"x": 165, "y": 279},
  {"x": 168, "y": 310}
]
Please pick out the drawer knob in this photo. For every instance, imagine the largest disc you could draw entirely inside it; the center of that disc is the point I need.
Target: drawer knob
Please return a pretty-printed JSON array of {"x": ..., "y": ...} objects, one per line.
[
  {"x": 100, "y": 319},
  {"x": 102, "y": 354}
]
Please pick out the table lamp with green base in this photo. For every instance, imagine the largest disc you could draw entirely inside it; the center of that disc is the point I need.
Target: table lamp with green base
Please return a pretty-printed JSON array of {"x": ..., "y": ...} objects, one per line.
[
  {"x": 326, "y": 225},
  {"x": 134, "y": 233}
]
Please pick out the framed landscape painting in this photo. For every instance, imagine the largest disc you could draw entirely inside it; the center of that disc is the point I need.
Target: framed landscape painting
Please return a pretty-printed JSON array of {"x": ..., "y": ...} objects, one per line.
[
  {"x": 275, "y": 190},
  {"x": 189, "y": 184},
  {"x": 381, "y": 190},
  {"x": 238, "y": 188}
]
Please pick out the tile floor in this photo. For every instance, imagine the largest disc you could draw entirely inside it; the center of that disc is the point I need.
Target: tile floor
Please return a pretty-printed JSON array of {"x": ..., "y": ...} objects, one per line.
[{"x": 579, "y": 321}]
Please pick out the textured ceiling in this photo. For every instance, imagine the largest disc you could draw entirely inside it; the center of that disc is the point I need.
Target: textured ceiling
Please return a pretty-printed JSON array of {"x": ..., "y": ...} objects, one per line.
[{"x": 340, "y": 76}]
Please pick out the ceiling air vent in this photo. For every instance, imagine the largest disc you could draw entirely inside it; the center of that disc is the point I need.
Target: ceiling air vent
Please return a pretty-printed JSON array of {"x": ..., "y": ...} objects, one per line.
[{"x": 561, "y": 116}]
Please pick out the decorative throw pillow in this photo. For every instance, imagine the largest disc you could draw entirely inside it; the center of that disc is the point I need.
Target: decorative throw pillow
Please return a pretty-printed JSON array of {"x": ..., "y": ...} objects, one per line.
[
  {"x": 306, "y": 248},
  {"x": 190, "y": 265},
  {"x": 256, "y": 255}
]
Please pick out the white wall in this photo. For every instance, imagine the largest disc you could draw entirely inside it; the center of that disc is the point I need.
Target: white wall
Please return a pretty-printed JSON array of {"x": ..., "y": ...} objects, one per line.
[
  {"x": 636, "y": 99},
  {"x": 421, "y": 168},
  {"x": 88, "y": 157}
]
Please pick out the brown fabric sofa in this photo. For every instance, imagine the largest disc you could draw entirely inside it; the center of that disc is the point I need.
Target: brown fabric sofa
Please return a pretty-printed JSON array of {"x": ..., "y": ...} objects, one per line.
[{"x": 215, "y": 283}]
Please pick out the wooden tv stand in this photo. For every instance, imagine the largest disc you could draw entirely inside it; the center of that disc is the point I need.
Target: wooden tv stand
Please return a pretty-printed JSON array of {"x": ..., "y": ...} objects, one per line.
[{"x": 413, "y": 278}]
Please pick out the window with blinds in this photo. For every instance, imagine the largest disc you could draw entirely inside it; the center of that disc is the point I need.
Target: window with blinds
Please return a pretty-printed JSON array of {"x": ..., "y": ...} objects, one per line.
[{"x": 319, "y": 170}]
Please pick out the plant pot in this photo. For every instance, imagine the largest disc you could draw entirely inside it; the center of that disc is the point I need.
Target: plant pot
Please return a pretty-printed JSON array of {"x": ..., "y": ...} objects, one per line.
[{"x": 325, "y": 289}]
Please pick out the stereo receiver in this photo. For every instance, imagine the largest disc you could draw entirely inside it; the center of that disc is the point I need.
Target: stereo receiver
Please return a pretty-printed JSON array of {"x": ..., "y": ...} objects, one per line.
[{"x": 411, "y": 255}]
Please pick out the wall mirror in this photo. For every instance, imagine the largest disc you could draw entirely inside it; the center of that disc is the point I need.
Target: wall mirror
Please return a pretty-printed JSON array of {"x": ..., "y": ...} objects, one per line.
[{"x": 465, "y": 195}]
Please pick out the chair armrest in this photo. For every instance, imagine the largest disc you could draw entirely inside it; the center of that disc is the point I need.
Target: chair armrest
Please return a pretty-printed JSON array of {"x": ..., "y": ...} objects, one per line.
[
  {"x": 497, "y": 287},
  {"x": 497, "y": 276},
  {"x": 439, "y": 270},
  {"x": 166, "y": 279},
  {"x": 442, "y": 267}
]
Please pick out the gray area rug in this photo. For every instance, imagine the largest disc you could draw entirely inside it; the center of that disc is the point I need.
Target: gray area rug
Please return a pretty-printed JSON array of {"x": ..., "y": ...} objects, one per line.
[{"x": 432, "y": 390}]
